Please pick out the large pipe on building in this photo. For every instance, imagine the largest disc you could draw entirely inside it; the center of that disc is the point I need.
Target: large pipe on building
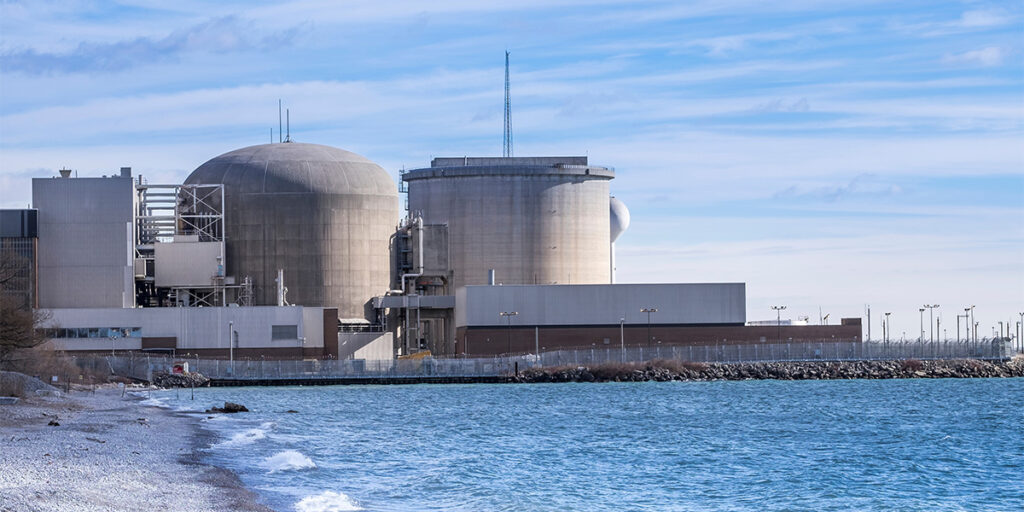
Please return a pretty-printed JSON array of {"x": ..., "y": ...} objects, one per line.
[
  {"x": 419, "y": 255},
  {"x": 281, "y": 289},
  {"x": 619, "y": 222}
]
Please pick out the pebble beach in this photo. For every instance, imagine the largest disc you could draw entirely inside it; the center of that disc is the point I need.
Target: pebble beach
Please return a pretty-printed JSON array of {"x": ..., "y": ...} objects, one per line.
[{"x": 102, "y": 451}]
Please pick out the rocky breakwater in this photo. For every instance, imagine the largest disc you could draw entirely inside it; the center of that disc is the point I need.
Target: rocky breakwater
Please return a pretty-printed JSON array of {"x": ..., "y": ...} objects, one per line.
[
  {"x": 179, "y": 380},
  {"x": 664, "y": 370}
]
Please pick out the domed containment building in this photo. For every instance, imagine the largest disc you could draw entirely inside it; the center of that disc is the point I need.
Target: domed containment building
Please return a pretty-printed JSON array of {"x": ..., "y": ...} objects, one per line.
[
  {"x": 534, "y": 220},
  {"x": 323, "y": 215}
]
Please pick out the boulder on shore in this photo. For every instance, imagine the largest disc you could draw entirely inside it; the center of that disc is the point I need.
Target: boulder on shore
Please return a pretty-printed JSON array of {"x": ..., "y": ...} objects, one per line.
[{"x": 229, "y": 407}]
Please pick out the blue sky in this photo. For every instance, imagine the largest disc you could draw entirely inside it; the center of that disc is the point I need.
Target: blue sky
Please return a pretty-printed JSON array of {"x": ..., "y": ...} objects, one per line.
[{"x": 828, "y": 154}]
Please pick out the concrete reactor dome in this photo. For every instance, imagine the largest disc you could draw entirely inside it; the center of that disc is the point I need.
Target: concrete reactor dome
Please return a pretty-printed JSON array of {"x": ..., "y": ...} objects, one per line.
[
  {"x": 322, "y": 214},
  {"x": 533, "y": 220}
]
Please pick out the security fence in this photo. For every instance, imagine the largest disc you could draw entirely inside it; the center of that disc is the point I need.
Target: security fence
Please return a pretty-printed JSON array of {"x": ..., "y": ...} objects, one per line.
[
  {"x": 780, "y": 352},
  {"x": 142, "y": 366}
]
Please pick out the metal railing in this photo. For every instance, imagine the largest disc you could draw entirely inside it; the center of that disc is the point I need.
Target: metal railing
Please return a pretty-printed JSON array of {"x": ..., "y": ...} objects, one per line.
[{"x": 142, "y": 366}]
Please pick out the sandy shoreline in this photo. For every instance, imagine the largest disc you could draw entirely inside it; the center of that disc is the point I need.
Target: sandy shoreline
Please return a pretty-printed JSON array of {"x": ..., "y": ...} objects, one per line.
[{"x": 109, "y": 454}]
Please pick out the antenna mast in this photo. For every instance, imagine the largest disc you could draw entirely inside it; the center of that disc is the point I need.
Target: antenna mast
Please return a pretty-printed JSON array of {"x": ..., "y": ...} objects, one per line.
[
  {"x": 288, "y": 125},
  {"x": 507, "y": 148},
  {"x": 278, "y": 121}
]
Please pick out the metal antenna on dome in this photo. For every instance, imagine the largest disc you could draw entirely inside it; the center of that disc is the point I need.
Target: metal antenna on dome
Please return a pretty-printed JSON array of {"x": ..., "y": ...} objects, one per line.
[
  {"x": 288, "y": 125},
  {"x": 278, "y": 122}
]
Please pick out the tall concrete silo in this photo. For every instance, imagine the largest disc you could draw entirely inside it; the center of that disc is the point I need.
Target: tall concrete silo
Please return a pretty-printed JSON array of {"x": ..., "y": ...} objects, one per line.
[
  {"x": 534, "y": 220},
  {"x": 322, "y": 214}
]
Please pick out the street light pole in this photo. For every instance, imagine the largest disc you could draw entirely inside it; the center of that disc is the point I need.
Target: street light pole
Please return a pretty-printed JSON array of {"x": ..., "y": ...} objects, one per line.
[
  {"x": 921, "y": 337},
  {"x": 648, "y": 310},
  {"x": 231, "y": 345},
  {"x": 931, "y": 321},
  {"x": 1020, "y": 337},
  {"x": 975, "y": 324},
  {"x": 508, "y": 316},
  {"x": 888, "y": 329},
  {"x": 778, "y": 320},
  {"x": 622, "y": 337}
]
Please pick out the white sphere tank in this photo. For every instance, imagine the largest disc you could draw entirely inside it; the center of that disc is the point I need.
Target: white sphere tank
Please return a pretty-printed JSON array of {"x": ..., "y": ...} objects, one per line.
[{"x": 619, "y": 222}]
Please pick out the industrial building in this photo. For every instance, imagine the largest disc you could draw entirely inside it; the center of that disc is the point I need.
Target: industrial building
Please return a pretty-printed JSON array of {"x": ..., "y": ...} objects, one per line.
[{"x": 294, "y": 250}]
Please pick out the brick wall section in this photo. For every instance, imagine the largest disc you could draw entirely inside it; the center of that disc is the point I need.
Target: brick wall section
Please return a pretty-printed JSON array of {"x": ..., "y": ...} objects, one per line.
[{"x": 498, "y": 340}]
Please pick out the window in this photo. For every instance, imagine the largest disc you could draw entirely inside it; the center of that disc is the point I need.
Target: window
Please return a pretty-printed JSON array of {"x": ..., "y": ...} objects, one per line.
[{"x": 284, "y": 332}]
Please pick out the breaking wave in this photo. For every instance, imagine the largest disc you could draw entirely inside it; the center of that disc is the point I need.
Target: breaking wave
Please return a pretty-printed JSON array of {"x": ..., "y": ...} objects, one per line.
[
  {"x": 329, "y": 501},
  {"x": 287, "y": 460}
]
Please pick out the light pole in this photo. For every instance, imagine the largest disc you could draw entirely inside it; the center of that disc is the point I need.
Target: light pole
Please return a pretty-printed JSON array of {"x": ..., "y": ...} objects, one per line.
[
  {"x": 921, "y": 337},
  {"x": 1020, "y": 332},
  {"x": 975, "y": 324},
  {"x": 508, "y": 315},
  {"x": 648, "y": 311},
  {"x": 778, "y": 320},
  {"x": 231, "y": 345},
  {"x": 931, "y": 321},
  {"x": 888, "y": 329},
  {"x": 967, "y": 327},
  {"x": 1020, "y": 337},
  {"x": 622, "y": 337}
]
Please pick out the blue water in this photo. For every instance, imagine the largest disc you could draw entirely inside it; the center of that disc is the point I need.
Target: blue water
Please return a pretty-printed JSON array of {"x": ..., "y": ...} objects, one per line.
[{"x": 754, "y": 445}]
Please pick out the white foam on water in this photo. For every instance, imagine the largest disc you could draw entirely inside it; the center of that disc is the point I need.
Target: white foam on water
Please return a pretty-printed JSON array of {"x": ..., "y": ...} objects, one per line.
[
  {"x": 287, "y": 460},
  {"x": 245, "y": 437},
  {"x": 154, "y": 402},
  {"x": 329, "y": 501}
]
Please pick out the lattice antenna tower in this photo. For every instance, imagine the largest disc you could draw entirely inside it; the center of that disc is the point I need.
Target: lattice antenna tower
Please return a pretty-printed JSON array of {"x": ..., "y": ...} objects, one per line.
[{"x": 507, "y": 147}]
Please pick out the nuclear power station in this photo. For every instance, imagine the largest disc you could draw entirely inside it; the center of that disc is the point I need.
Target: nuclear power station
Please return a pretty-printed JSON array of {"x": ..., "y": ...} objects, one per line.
[{"x": 294, "y": 250}]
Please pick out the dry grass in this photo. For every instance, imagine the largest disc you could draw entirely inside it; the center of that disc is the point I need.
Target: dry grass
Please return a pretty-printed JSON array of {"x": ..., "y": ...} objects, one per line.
[
  {"x": 609, "y": 371},
  {"x": 44, "y": 362},
  {"x": 911, "y": 365}
]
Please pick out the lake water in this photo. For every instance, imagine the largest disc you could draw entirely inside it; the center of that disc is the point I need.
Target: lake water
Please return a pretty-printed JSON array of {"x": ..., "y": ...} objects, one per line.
[{"x": 756, "y": 445}]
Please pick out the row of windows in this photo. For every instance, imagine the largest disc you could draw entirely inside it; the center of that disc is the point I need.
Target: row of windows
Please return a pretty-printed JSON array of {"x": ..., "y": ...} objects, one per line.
[{"x": 94, "y": 332}]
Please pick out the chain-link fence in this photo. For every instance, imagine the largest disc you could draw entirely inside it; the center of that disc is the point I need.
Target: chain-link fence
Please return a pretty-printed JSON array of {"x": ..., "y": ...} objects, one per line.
[
  {"x": 767, "y": 352},
  {"x": 141, "y": 366}
]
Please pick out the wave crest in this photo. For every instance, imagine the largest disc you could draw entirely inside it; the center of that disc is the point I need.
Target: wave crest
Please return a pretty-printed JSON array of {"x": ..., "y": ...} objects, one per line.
[
  {"x": 329, "y": 501},
  {"x": 287, "y": 460}
]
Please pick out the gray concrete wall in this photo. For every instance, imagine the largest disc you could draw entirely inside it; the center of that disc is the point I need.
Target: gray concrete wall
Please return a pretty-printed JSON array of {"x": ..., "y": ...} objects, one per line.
[
  {"x": 194, "y": 328},
  {"x": 532, "y": 224},
  {"x": 85, "y": 241},
  {"x": 187, "y": 263},
  {"x": 583, "y": 305},
  {"x": 377, "y": 346}
]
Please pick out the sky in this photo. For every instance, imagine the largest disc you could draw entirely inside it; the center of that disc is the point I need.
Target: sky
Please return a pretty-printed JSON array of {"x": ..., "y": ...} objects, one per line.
[{"x": 831, "y": 155}]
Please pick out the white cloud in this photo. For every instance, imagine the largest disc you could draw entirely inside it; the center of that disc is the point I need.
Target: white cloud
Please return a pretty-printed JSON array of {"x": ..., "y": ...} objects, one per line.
[
  {"x": 725, "y": 45},
  {"x": 988, "y": 56},
  {"x": 982, "y": 18}
]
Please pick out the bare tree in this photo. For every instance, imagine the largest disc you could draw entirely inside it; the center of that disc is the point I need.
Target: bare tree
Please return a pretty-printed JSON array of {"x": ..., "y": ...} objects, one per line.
[{"x": 20, "y": 325}]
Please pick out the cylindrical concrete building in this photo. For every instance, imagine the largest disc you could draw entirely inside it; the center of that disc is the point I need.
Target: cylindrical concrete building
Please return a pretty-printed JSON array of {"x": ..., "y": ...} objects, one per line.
[
  {"x": 323, "y": 215},
  {"x": 534, "y": 220}
]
